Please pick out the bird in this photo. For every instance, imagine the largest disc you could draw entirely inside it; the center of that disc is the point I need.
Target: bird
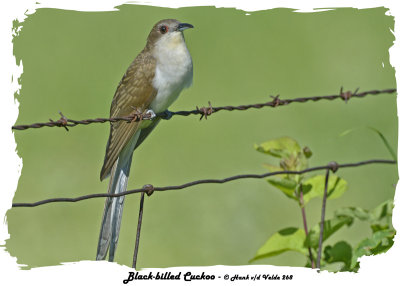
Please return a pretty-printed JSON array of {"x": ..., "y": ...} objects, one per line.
[{"x": 152, "y": 82}]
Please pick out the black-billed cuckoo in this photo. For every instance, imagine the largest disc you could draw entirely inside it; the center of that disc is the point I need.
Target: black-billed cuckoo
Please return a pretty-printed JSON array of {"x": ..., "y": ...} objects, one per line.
[{"x": 152, "y": 82}]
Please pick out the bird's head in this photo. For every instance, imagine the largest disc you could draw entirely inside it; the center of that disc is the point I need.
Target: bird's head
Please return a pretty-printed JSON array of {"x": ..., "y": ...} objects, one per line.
[{"x": 167, "y": 32}]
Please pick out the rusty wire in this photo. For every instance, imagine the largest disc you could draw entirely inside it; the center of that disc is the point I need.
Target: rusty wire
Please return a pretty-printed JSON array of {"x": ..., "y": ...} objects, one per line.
[
  {"x": 203, "y": 111},
  {"x": 149, "y": 189}
]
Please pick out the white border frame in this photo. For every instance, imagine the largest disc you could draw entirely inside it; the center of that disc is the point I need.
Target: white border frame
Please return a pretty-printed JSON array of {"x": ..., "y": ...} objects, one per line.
[{"x": 375, "y": 269}]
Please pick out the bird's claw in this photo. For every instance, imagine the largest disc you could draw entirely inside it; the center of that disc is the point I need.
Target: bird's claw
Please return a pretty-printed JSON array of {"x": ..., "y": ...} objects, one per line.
[{"x": 150, "y": 114}]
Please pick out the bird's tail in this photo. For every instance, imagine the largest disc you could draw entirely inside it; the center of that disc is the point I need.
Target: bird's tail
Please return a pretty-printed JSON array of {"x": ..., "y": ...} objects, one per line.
[{"x": 113, "y": 207}]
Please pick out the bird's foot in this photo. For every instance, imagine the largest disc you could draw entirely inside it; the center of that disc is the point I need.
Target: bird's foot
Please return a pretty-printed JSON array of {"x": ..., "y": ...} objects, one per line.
[{"x": 150, "y": 114}]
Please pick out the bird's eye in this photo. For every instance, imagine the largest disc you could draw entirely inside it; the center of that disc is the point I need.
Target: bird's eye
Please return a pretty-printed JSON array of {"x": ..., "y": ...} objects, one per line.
[{"x": 163, "y": 29}]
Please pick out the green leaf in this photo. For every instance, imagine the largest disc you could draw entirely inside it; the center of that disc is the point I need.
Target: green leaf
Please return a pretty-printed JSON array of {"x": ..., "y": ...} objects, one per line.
[
  {"x": 286, "y": 185},
  {"x": 302, "y": 162},
  {"x": 340, "y": 252},
  {"x": 288, "y": 239},
  {"x": 385, "y": 142},
  {"x": 281, "y": 147},
  {"x": 330, "y": 227},
  {"x": 378, "y": 227},
  {"x": 273, "y": 168},
  {"x": 336, "y": 187},
  {"x": 381, "y": 216},
  {"x": 383, "y": 211},
  {"x": 354, "y": 212},
  {"x": 380, "y": 242},
  {"x": 306, "y": 189},
  {"x": 375, "y": 216}
]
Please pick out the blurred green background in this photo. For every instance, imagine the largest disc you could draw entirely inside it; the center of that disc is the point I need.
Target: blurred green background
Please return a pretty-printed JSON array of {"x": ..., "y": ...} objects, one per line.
[{"x": 73, "y": 62}]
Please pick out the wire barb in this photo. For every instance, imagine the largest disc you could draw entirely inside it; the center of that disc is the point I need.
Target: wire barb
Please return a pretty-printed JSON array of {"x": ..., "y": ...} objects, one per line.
[
  {"x": 62, "y": 122},
  {"x": 205, "y": 111},
  {"x": 276, "y": 101},
  {"x": 348, "y": 94}
]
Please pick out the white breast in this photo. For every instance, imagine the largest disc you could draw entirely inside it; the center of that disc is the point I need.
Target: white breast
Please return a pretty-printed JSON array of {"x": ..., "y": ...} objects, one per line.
[{"x": 174, "y": 70}]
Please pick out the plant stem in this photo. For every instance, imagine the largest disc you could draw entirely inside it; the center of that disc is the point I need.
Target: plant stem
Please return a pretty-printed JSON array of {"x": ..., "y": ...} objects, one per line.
[
  {"x": 303, "y": 213},
  {"x": 321, "y": 232},
  {"x": 139, "y": 225}
]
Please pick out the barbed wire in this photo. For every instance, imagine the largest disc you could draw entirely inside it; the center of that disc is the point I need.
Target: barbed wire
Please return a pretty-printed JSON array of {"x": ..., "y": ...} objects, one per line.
[
  {"x": 203, "y": 111},
  {"x": 149, "y": 189}
]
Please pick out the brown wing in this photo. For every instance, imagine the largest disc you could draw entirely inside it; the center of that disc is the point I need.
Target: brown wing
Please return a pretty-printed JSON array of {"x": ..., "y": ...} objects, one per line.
[{"x": 135, "y": 91}]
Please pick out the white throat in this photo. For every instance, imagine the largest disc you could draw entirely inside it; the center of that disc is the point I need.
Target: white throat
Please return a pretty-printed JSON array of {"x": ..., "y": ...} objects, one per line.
[{"x": 174, "y": 70}]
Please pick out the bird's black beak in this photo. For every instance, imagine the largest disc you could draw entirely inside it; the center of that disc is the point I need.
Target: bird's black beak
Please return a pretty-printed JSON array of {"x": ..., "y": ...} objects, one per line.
[{"x": 184, "y": 26}]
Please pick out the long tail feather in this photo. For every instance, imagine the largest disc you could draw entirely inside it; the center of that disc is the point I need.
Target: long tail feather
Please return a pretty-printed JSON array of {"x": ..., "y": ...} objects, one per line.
[{"x": 113, "y": 207}]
